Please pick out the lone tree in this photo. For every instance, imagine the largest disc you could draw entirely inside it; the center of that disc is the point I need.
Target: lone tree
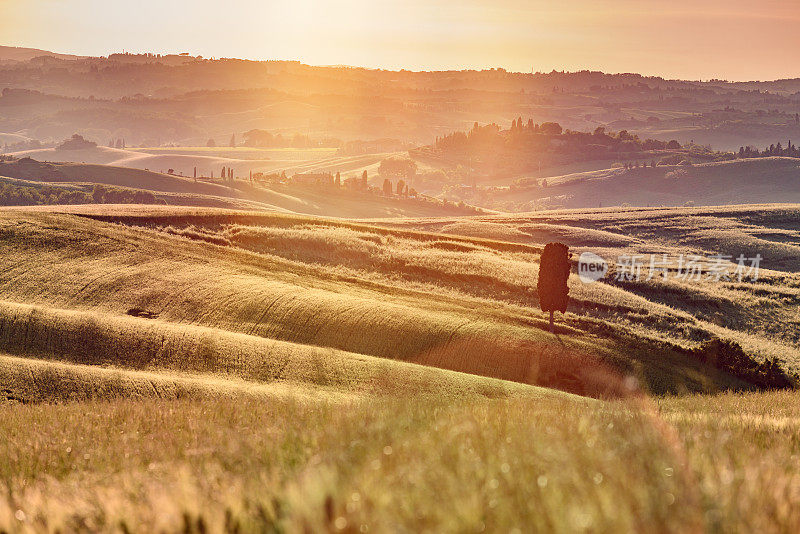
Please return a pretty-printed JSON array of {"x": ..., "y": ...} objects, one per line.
[{"x": 553, "y": 273}]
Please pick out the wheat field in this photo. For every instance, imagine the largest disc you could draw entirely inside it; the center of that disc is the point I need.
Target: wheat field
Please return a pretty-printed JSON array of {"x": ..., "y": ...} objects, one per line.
[
  {"x": 424, "y": 464},
  {"x": 207, "y": 370}
]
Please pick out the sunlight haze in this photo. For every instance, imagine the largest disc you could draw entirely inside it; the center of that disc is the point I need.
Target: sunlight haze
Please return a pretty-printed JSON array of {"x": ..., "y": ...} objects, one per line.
[
  {"x": 399, "y": 266},
  {"x": 681, "y": 39}
]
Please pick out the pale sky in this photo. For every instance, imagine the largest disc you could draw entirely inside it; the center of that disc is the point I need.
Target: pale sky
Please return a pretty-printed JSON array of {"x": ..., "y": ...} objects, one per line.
[{"x": 693, "y": 39}]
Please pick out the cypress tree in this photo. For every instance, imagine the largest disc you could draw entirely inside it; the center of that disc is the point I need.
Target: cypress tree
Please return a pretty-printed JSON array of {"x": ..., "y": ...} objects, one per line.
[{"x": 552, "y": 287}]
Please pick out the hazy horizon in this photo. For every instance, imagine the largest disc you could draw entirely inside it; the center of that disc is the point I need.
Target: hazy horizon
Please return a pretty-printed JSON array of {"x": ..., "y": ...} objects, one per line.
[{"x": 712, "y": 39}]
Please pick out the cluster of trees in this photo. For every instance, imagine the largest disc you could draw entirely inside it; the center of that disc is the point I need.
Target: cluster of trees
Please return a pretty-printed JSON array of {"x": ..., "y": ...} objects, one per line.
[
  {"x": 400, "y": 189},
  {"x": 401, "y": 169},
  {"x": 398, "y": 167},
  {"x": 730, "y": 357},
  {"x": 76, "y": 142},
  {"x": 16, "y": 195},
  {"x": 19, "y": 146},
  {"x": 266, "y": 139},
  {"x": 489, "y": 148},
  {"x": 116, "y": 143},
  {"x": 327, "y": 179},
  {"x": 391, "y": 169},
  {"x": 790, "y": 151},
  {"x": 102, "y": 194},
  {"x": 211, "y": 143},
  {"x": 226, "y": 174}
]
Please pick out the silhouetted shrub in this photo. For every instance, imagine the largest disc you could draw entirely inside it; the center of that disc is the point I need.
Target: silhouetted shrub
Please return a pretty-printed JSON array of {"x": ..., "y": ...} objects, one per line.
[
  {"x": 102, "y": 194},
  {"x": 674, "y": 159},
  {"x": 673, "y": 145},
  {"x": 13, "y": 195},
  {"x": 729, "y": 356}
]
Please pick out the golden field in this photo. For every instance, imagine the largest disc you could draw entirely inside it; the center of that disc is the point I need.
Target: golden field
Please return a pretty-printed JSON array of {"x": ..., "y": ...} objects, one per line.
[
  {"x": 194, "y": 369},
  {"x": 307, "y": 295}
]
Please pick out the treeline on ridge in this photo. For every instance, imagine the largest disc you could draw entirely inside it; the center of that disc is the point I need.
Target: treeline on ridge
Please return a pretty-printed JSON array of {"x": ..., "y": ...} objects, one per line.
[
  {"x": 23, "y": 195},
  {"x": 491, "y": 149}
]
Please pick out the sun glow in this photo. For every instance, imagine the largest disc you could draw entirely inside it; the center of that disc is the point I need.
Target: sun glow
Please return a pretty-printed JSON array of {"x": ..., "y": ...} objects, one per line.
[{"x": 685, "y": 39}]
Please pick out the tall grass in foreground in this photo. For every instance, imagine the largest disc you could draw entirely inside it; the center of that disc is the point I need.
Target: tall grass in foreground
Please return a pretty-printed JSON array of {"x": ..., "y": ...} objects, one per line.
[{"x": 688, "y": 465}]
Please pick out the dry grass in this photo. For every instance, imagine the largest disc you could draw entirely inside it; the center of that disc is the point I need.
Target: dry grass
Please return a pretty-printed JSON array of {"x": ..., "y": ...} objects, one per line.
[
  {"x": 210, "y": 371},
  {"x": 554, "y": 465},
  {"x": 458, "y": 304},
  {"x": 32, "y": 381},
  {"x": 132, "y": 343},
  {"x": 716, "y": 184},
  {"x": 762, "y": 316}
]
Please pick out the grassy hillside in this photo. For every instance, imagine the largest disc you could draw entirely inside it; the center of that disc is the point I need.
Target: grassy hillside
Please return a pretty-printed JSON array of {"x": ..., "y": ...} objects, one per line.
[
  {"x": 462, "y": 304},
  {"x": 209, "y": 160},
  {"x": 158, "y": 160},
  {"x": 274, "y": 309},
  {"x": 204, "y": 370},
  {"x": 40, "y": 170},
  {"x": 762, "y": 316},
  {"x": 692, "y": 464},
  {"x": 178, "y": 190},
  {"x": 749, "y": 181}
]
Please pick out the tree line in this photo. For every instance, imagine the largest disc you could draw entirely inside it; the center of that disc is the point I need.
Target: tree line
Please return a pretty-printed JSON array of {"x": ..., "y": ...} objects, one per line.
[
  {"x": 490, "y": 149},
  {"x": 521, "y": 136},
  {"x": 19, "y": 195},
  {"x": 790, "y": 151}
]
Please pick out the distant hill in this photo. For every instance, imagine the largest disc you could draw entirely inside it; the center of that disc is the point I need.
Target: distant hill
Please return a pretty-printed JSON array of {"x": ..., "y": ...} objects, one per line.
[
  {"x": 157, "y": 99},
  {"x": 491, "y": 152},
  {"x": 143, "y": 160},
  {"x": 207, "y": 161},
  {"x": 16, "y": 53},
  {"x": 762, "y": 180},
  {"x": 179, "y": 190}
]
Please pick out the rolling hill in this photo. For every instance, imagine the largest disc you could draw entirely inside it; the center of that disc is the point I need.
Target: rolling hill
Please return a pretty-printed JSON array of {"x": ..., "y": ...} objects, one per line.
[
  {"x": 293, "y": 284},
  {"x": 206, "y": 161},
  {"x": 17, "y": 54},
  {"x": 301, "y": 362},
  {"x": 179, "y": 190},
  {"x": 210, "y": 160},
  {"x": 762, "y": 180},
  {"x": 186, "y": 353}
]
